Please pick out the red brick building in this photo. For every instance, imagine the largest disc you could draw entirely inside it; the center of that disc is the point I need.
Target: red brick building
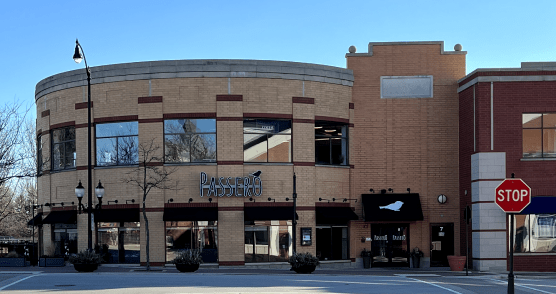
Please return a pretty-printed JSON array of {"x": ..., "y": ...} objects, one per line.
[{"x": 507, "y": 124}]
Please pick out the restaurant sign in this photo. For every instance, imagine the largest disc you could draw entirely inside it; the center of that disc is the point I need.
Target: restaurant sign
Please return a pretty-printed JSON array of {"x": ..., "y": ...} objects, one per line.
[{"x": 251, "y": 185}]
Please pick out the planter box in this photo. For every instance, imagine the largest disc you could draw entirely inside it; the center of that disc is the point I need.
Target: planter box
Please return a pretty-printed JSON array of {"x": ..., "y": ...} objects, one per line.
[
  {"x": 13, "y": 262},
  {"x": 305, "y": 269},
  {"x": 187, "y": 268},
  {"x": 457, "y": 263},
  {"x": 86, "y": 267},
  {"x": 52, "y": 261}
]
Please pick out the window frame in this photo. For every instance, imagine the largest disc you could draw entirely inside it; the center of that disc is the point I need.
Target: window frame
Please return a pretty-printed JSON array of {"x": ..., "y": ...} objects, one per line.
[
  {"x": 190, "y": 134},
  {"x": 342, "y": 137},
  {"x": 542, "y": 128},
  {"x": 268, "y": 136},
  {"x": 40, "y": 162},
  {"x": 62, "y": 143},
  {"x": 116, "y": 137}
]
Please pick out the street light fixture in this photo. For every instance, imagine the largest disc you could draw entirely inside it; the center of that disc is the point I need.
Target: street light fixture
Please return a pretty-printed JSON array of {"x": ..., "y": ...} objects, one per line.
[{"x": 77, "y": 57}]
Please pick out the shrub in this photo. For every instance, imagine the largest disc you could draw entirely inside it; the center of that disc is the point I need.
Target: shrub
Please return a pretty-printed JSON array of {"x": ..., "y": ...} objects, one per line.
[
  {"x": 85, "y": 257},
  {"x": 12, "y": 254},
  {"x": 301, "y": 259},
  {"x": 366, "y": 253},
  {"x": 188, "y": 256}
]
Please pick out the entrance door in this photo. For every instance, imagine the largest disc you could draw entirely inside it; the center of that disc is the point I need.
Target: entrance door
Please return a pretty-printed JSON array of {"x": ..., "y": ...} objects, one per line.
[
  {"x": 442, "y": 243},
  {"x": 390, "y": 245},
  {"x": 332, "y": 243}
]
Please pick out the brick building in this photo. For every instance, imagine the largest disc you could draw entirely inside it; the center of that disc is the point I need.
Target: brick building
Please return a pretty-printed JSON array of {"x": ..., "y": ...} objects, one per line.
[
  {"x": 374, "y": 148},
  {"x": 507, "y": 125}
]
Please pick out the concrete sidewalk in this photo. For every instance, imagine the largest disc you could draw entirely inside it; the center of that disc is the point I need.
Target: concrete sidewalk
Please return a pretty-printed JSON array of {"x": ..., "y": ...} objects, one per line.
[{"x": 250, "y": 270}]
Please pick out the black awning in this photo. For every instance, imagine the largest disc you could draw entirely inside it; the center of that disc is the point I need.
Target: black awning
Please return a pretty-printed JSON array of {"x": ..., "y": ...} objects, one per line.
[
  {"x": 254, "y": 213},
  {"x": 392, "y": 207},
  {"x": 334, "y": 215},
  {"x": 61, "y": 217},
  {"x": 117, "y": 215},
  {"x": 191, "y": 214},
  {"x": 36, "y": 221},
  {"x": 541, "y": 205}
]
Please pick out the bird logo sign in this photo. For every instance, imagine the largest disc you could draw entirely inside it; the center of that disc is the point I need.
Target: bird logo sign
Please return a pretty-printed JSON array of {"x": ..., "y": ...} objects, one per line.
[{"x": 394, "y": 206}]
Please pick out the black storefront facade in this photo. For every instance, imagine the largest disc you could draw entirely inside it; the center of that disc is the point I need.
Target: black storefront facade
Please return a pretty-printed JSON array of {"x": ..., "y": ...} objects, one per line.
[{"x": 390, "y": 216}]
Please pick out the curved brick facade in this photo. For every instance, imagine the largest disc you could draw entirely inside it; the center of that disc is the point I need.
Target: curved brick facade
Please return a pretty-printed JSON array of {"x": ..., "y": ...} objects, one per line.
[{"x": 226, "y": 90}]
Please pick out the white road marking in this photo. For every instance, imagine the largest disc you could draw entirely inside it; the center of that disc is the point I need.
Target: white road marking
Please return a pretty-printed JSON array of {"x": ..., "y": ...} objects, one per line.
[
  {"x": 20, "y": 280},
  {"x": 522, "y": 285},
  {"x": 348, "y": 282},
  {"x": 432, "y": 284}
]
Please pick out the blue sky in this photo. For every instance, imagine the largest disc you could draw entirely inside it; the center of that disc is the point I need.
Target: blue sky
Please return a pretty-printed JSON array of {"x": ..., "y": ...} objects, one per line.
[{"x": 38, "y": 37}]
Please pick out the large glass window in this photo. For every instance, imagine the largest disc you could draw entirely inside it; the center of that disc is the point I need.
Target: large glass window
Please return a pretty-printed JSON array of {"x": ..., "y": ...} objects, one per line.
[
  {"x": 117, "y": 143},
  {"x": 539, "y": 135},
  {"x": 65, "y": 239},
  {"x": 119, "y": 242},
  {"x": 535, "y": 233},
  {"x": 268, "y": 241},
  {"x": 331, "y": 143},
  {"x": 267, "y": 140},
  {"x": 190, "y": 140},
  {"x": 63, "y": 148},
  {"x": 192, "y": 235}
]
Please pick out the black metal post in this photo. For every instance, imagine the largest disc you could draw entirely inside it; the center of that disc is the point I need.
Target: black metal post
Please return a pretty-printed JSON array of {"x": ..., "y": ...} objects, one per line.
[
  {"x": 89, "y": 152},
  {"x": 294, "y": 223},
  {"x": 33, "y": 215},
  {"x": 467, "y": 240},
  {"x": 511, "y": 274}
]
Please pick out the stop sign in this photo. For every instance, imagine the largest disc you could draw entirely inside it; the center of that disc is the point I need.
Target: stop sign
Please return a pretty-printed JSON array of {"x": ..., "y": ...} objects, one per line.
[{"x": 513, "y": 195}]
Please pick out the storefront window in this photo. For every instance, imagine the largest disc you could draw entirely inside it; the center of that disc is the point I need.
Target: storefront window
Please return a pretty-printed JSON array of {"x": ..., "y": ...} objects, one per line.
[
  {"x": 63, "y": 148},
  {"x": 182, "y": 235},
  {"x": 267, "y": 140},
  {"x": 331, "y": 143},
  {"x": 535, "y": 233},
  {"x": 119, "y": 242},
  {"x": 65, "y": 239},
  {"x": 268, "y": 241},
  {"x": 190, "y": 140},
  {"x": 539, "y": 135},
  {"x": 117, "y": 143}
]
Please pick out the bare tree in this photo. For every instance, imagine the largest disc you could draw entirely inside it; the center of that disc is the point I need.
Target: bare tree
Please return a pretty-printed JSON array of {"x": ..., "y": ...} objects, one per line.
[
  {"x": 148, "y": 175},
  {"x": 18, "y": 168}
]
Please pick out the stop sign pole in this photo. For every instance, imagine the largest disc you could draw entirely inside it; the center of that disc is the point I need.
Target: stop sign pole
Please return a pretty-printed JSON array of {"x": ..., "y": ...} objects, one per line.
[{"x": 512, "y": 196}]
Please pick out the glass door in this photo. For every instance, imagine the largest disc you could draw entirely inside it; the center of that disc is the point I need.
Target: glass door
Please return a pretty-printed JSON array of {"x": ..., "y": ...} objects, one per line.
[{"x": 390, "y": 245}]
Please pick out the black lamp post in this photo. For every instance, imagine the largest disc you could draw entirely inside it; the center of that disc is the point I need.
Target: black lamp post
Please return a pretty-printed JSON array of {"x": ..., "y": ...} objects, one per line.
[
  {"x": 79, "y": 193},
  {"x": 77, "y": 57}
]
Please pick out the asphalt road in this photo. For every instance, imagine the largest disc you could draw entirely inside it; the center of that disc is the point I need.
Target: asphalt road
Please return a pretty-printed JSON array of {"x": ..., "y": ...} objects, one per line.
[{"x": 174, "y": 283}]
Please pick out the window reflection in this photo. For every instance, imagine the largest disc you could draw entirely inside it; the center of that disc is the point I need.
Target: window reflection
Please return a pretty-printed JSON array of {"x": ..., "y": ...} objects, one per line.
[
  {"x": 117, "y": 143},
  {"x": 539, "y": 135},
  {"x": 63, "y": 148},
  {"x": 182, "y": 235},
  {"x": 190, "y": 140},
  {"x": 266, "y": 140},
  {"x": 535, "y": 233},
  {"x": 268, "y": 241}
]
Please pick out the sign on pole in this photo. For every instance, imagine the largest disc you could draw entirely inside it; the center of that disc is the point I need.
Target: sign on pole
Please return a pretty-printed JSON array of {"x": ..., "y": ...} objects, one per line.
[{"x": 513, "y": 195}]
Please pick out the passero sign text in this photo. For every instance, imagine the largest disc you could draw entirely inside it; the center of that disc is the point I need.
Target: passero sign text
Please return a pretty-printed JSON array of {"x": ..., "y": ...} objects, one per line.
[{"x": 231, "y": 186}]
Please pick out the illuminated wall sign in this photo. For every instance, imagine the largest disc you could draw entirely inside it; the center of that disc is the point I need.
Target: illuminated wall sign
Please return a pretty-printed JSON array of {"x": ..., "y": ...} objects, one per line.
[{"x": 238, "y": 186}]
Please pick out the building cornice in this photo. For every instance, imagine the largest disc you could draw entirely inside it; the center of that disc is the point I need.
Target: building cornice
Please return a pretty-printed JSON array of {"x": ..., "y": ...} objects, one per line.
[{"x": 209, "y": 68}]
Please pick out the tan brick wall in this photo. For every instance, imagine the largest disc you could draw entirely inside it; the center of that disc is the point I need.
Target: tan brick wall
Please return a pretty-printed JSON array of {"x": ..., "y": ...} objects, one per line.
[
  {"x": 231, "y": 236},
  {"x": 198, "y": 95},
  {"x": 157, "y": 238},
  {"x": 411, "y": 142}
]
